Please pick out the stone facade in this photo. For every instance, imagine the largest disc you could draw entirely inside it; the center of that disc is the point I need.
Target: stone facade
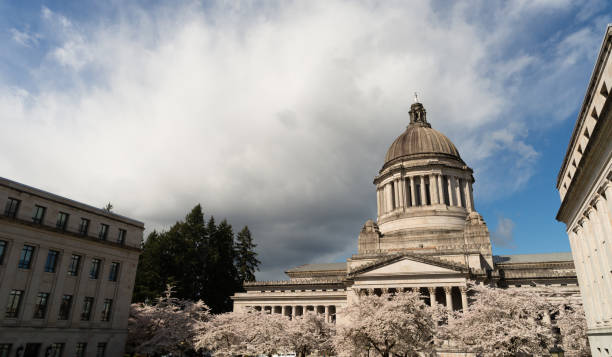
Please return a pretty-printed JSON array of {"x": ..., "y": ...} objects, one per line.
[
  {"x": 428, "y": 237},
  {"x": 67, "y": 273},
  {"x": 585, "y": 187}
]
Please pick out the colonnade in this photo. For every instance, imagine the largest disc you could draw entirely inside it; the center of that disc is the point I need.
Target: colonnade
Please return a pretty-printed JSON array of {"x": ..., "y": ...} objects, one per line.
[
  {"x": 446, "y": 295},
  {"x": 591, "y": 242},
  {"x": 424, "y": 190},
  {"x": 329, "y": 311}
]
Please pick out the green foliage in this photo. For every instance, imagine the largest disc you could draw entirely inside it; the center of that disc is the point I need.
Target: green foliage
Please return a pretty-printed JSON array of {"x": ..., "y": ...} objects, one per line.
[{"x": 200, "y": 259}]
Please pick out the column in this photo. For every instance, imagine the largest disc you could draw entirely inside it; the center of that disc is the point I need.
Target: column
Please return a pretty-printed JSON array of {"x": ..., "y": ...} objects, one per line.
[
  {"x": 596, "y": 276},
  {"x": 605, "y": 220},
  {"x": 457, "y": 190},
  {"x": 592, "y": 290},
  {"x": 468, "y": 196},
  {"x": 449, "y": 180},
  {"x": 581, "y": 274},
  {"x": 440, "y": 189},
  {"x": 432, "y": 295},
  {"x": 433, "y": 189},
  {"x": 378, "y": 207},
  {"x": 464, "y": 302},
  {"x": 396, "y": 194},
  {"x": 294, "y": 310},
  {"x": 284, "y": 310},
  {"x": 449, "y": 298},
  {"x": 471, "y": 191},
  {"x": 600, "y": 233},
  {"x": 412, "y": 191},
  {"x": 423, "y": 199},
  {"x": 327, "y": 319},
  {"x": 401, "y": 194},
  {"x": 389, "y": 197}
]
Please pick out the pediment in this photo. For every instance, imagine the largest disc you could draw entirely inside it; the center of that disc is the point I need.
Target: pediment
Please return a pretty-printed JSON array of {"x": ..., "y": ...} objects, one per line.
[{"x": 406, "y": 264}]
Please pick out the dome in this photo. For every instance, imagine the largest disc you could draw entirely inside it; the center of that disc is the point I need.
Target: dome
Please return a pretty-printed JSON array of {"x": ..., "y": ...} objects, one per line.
[{"x": 420, "y": 139}]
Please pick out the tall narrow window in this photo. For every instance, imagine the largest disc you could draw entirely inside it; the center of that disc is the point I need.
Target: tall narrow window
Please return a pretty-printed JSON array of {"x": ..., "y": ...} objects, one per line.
[
  {"x": 427, "y": 192},
  {"x": 106, "y": 310},
  {"x": 462, "y": 192},
  {"x": 65, "y": 307},
  {"x": 39, "y": 214},
  {"x": 114, "y": 271},
  {"x": 75, "y": 262},
  {"x": 417, "y": 192},
  {"x": 51, "y": 261},
  {"x": 95, "y": 269},
  {"x": 25, "y": 259},
  {"x": 101, "y": 350},
  {"x": 84, "y": 226},
  {"x": 408, "y": 194},
  {"x": 87, "y": 306},
  {"x": 14, "y": 301},
  {"x": 40, "y": 309},
  {"x": 81, "y": 349},
  {"x": 55, "y": 350},
  {"x": 62, "y": 220},
  {"x": 445, "y": 190},
  {"x": 12, "y": 205},
  {"x": 103, "y": 231},
  {"x": 3, "y": 245},
  {"x": 121, "y": 236}
]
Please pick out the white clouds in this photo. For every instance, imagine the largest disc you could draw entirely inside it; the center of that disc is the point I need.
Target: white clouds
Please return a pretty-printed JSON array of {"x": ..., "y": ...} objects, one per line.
[
  {"x": 503, "y": 236},
  {"x": 25, "y": 38},
  {"x": 277, "y": 117}
]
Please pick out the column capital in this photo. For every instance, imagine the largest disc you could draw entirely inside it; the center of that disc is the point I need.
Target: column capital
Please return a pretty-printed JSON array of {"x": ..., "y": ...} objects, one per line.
[
  {"x": 447, "y": 289},
  {"x": 431, "y": 290},
  {"x": 463, "y": 289}
]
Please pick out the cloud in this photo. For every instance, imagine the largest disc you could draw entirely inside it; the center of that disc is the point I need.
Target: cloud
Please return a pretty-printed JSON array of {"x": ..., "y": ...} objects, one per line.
[
  {"x": 25, "y": 38},
  {"x": 503, "y": 236},
  {"x": 277, "y": 117}
]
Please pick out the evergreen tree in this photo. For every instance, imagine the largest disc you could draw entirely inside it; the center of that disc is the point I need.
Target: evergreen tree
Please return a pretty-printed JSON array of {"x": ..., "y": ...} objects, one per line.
[
  {"x": 222, "y": 274},
  {"x": 246, "y": 258}
]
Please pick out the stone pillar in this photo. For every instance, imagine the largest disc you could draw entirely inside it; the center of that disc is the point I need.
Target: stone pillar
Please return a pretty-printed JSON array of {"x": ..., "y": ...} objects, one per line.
[
  {"x": 457, "y": 190},
  {"x": 285, "y": 310},
  {"x": 432, "y": 295},
  {"x": 600, "y": 233},
  {"x": 449, "y": 182},
  {"x": 605, "y": 220},
  {"x": 327, "y": 319},
  {"x": 449, "y": 298},
  {"x": 599, "y": 262},
  {"x": 433, "y": 189},
  {"x": 581, "y": 274},
  {"x": 400, "y": 193},
  {"x": 378, "y": 207},
  {"x": 412, "y": 197},
  {"x": 440, "y": 189},
  {"x": 592, "y": 290},
  {"x": 468, "y": 196},
  {"x": 294, "y": 310},
  {"x": 471, "y": 191},
  {"x": 423, "y": 199},
  {"x": 464, "y": 302}
]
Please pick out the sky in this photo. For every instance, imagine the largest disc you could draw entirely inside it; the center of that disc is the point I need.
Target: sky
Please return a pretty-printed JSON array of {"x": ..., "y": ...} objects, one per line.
[{"x": 278, "y": 115}]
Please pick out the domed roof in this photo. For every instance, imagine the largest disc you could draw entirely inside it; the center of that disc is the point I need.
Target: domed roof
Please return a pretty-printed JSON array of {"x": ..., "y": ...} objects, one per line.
[{"x": 420, "y": 139}]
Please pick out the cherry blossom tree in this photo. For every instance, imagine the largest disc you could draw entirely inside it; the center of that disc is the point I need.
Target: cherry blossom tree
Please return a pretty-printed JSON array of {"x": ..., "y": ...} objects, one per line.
[
  {"x": 572, "y": 323},
  {"x": 308, "y": 333},
  {"x": 503, "y": 322},
  {"x": 169, "y": 325},
  {"x": 400, "y": 324}
]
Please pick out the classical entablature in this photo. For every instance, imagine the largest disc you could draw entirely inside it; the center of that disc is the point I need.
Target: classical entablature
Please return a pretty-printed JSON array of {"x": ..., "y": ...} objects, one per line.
[{"x": 427, "y": 237}]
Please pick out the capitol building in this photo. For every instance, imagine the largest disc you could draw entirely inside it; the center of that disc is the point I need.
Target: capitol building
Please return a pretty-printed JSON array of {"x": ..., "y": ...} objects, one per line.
[{"x": 427, "y": 237}]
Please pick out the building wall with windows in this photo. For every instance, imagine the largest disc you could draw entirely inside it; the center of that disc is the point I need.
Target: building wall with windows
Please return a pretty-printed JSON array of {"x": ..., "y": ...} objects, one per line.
[
  {"x": 585, "y": 186},
  {"x": 67, "y": 273}
]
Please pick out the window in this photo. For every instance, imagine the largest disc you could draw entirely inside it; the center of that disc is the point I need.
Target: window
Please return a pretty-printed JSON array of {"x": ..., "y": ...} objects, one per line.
[
  {"x": 5, "y": 349},
  {"x": 462, "y": 192},
  {"x": 75, "y": 262},
  {"x": 51, "y": 261},
  {"x": 62, "y": 220},
  {"x": 417, "y": 192},
  {"x": 14, "y": 300},
  {"x": 65, "y": 307},
  {"x": 95, "y": 269},
  {"x": 84, "y": 226},
  {"x": 39, "y": 214},
  {"x": 393, "y": 203},
  {"x": 12, "y": 205},
  {"x": 103, "y": 231},
  {"x": 81, "y": 348},
  {"x": 40, "y": 309},
  {"x": 87, "y": 306},
  {"x": 106, "y": 310},
  {"x": 3, "y": 245},
  {"x": 427, "y": 192},
  {"x": 121, "y": 237},
  {"x": 408, "y": 194},
  {"x": 114, "y": 271},
  {"x": 101, "y": 351},
  {"x": 26, "y": 257},
  {"x": 445, "y": 190},
  {"x": 55, "y": 350}
]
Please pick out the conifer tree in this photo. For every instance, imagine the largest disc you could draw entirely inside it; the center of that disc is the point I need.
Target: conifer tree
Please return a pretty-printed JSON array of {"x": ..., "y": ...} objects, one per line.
[{"x": 246, "y": 258}]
